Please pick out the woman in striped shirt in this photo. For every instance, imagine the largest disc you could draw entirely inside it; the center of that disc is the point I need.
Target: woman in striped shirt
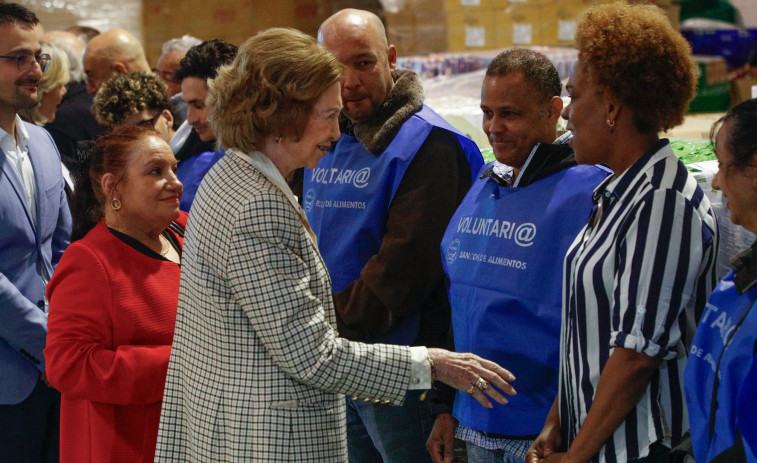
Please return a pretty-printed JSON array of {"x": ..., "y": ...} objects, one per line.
[{"x": 639, "y": 273}]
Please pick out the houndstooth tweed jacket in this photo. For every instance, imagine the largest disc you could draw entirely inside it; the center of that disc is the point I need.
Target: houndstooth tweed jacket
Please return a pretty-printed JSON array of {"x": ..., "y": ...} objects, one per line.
[{"x": 257, "y": 371}]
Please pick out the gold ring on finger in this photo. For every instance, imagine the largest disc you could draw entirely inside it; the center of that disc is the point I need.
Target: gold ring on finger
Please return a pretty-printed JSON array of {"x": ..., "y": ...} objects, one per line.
[
  {"x": 471, "y": 389},
  {"x": 482, "y": 384}
]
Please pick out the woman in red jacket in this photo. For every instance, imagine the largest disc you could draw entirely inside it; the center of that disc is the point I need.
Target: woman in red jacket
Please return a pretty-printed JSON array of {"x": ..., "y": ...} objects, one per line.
[{"x": 113, "y": 300}]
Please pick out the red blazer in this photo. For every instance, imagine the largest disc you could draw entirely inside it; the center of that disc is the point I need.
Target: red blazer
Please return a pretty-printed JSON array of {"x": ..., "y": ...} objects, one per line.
[{"x": 110, "y": 327}]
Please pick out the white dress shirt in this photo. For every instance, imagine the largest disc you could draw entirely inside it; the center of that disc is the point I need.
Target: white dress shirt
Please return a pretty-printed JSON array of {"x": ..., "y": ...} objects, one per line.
[{"x": 16, "y": 149}]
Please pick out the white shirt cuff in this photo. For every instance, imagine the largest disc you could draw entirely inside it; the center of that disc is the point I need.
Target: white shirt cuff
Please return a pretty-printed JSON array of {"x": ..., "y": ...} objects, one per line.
[{"x": 420, "y": 370}]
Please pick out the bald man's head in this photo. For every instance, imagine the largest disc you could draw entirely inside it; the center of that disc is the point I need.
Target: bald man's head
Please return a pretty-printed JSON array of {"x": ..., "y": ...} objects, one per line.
[
  {"x": 358, "y": 39},
  {"x": 116, "y": 51}
]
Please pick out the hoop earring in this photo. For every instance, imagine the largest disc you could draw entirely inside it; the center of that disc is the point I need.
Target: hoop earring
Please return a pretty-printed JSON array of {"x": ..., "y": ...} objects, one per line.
[
  {"x": 610, "y": 123},
  {"x": 115, "y": 203}
]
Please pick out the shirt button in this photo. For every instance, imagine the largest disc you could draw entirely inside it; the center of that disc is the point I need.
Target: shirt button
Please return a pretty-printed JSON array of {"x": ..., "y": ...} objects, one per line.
[{"x": 416, "y": 380}]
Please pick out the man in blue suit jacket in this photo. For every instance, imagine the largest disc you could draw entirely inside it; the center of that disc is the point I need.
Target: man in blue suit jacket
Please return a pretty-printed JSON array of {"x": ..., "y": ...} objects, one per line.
[{"x": 35, "y": 229}]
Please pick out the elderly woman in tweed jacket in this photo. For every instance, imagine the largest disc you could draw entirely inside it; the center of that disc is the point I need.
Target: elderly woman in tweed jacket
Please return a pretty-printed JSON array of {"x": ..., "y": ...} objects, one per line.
[{"x": 258, "y": 371}]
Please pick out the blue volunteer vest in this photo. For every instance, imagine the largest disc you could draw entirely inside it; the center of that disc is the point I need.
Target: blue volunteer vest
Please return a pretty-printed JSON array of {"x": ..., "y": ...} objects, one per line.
[
  {"x": 191, "y": 171},
  {"x": 347, "y": 198},
  {"x": 503, "y": 253},
  {"x": 719, "y": 321}
]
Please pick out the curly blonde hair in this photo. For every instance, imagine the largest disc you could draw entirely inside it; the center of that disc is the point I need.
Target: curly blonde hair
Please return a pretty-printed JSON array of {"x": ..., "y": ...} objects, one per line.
[
  {"x": 270, "y": 88},
  {"x": 635, "y": 53},
  {"x": 126, "y": 94}
]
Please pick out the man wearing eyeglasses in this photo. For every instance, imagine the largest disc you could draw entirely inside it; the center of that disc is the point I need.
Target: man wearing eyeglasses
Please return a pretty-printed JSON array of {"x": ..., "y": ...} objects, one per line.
[
  {"x": 36, "y": 227},
  {"x": 137, "y": 98}
]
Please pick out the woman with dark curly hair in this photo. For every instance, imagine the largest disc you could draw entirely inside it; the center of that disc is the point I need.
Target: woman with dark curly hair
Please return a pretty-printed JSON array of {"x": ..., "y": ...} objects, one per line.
[{"x": 639, "y": 273}]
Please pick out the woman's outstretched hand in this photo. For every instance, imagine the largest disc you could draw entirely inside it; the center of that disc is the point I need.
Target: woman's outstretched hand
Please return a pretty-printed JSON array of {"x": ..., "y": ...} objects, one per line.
[{"x": 472, "y": 374}]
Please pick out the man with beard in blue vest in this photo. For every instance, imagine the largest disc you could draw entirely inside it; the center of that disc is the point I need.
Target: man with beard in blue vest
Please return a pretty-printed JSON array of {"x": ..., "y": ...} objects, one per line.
[
  {"x": 379, "y": 202},
  {"x": 503, "y": 252}
]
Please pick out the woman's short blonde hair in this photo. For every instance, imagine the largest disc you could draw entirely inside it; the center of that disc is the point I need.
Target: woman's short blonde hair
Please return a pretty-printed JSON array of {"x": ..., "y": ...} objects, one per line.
[
  {"x": 634, "y": 52},
  {"x": 270, "y": 88},
  {"x": 57, "y": 74}
]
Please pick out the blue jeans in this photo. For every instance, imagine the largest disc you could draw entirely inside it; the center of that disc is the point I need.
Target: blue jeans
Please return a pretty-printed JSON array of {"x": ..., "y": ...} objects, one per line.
[
  {"x": 478, "y": 454},
  {"x": 384, "y": 433}
]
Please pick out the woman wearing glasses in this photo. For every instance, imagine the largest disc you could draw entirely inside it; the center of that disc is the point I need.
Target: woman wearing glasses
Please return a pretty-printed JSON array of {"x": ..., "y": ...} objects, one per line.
[{"x": 722, "y": 370}]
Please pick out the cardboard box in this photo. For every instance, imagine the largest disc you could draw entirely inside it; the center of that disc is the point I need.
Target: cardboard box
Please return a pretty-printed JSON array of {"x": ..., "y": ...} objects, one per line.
[
  {"x": 233, "y": 20},
  {"x": 420, "y": 27},
  {"x": 453, "y": 5},
  {"x": 520, "y": 24},
  {"x": 471, "y": 29},
  {"x": 743, "y": 89},
  {"x": 711, "y": 69},
  {"x": 559, "y": 22}
]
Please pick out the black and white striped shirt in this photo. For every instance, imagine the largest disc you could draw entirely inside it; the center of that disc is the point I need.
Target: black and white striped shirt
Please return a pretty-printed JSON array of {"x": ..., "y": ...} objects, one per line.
[{"x": 637, "y": 276}]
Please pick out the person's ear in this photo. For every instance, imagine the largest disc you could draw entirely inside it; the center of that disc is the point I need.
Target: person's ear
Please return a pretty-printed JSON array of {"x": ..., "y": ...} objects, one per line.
[
  {"x": 554, "y": 109},
  {"x": 391, "y": 55},
  {"x": 109, "y": 185},
  {"x": 168, "y": 117},
  {"x": 120, "y": 68},
  {"x": 613, "y": 110}
]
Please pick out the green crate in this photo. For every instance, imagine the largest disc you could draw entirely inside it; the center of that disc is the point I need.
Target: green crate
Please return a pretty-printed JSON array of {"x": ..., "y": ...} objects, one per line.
[
  {"x": 711, "y": 98},
  {"x": 720, "y": 10}
]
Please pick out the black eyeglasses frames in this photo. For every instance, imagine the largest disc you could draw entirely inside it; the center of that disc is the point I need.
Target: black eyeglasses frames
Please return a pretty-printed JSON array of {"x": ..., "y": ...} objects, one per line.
[
  {"x": 150, "y": 123},
  {"x": 25, "y": 60}
]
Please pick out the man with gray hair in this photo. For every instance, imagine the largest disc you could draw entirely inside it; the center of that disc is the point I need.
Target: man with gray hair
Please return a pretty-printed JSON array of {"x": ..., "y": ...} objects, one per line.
[{"x": 171, "y": 54}]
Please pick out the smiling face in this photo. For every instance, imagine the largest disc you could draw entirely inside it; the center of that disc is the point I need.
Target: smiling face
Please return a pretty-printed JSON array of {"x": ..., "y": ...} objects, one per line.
[
  {"x": 149, "y": 190},
  {"x": 18, "y": 88},
  {"x": 322, "y": 128},
  {"x": 514, "y": 119},
  {"x": 194, "y": 90},
  {"x": 368, "y": 63},
  {"x": 738, "y": 183}
]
